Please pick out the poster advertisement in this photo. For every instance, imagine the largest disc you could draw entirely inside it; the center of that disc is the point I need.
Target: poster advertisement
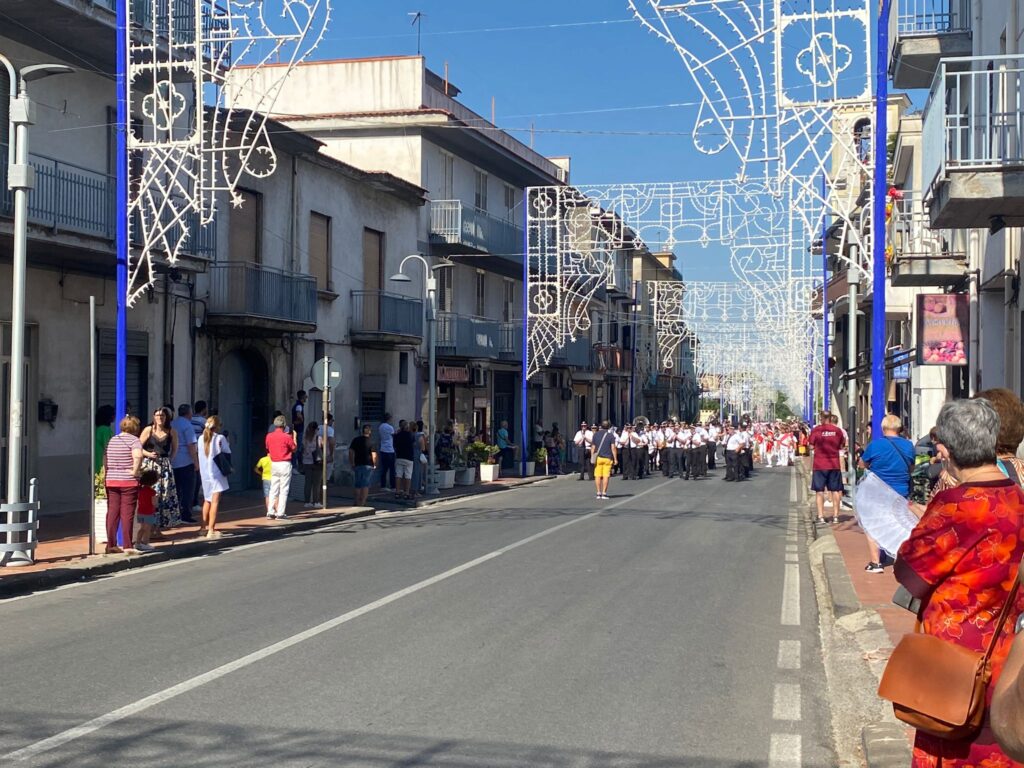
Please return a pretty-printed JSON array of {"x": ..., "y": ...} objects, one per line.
[{"x": 942, "y": 329}]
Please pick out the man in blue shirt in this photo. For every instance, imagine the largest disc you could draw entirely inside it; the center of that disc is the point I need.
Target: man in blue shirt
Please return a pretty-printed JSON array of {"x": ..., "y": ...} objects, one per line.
[
  {"x": 506, "y": 448},
  {"x": 185, "y": 462},
  {"x": 891, "y": 458}
]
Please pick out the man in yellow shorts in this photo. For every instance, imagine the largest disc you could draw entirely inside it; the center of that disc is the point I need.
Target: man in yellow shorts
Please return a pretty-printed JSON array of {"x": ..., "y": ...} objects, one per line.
[{"x": 603, "y": 454}]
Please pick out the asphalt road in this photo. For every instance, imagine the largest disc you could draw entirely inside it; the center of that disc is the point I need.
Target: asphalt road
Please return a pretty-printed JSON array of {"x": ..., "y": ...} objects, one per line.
[{"x": 673, "y": 625}]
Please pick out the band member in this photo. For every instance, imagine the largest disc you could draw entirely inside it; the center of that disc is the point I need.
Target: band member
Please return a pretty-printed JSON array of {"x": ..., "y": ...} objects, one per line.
[
  {"x": 733, "y": 448},
  {"x": 714, "y": 432},
  {"x": 584, "y": 441}
]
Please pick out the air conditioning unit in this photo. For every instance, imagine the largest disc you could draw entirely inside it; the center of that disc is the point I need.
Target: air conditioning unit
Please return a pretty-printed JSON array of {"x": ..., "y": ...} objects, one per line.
[
  {"x": 567, "y": 393},
  {"x": 479, "y": 377}
]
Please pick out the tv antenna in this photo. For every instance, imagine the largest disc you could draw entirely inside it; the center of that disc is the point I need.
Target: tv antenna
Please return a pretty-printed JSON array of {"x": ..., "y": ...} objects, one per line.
[{"x": 417, "y": 21}]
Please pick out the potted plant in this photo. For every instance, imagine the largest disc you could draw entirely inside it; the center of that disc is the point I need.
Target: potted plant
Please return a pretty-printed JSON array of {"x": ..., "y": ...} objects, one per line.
[
  {"x": 490, "y": 469},
  {"x": 465, "y": 471},
  {"x": 540, "y": 456},
  {"x": 445, "y": 478},
  {"x": 99, "y": 505}
]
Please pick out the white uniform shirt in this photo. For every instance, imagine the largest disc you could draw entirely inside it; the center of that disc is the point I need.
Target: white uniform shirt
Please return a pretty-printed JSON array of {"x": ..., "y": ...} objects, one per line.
[
  {"x": 714, "y": 433},
  {"x": 698, "y": 437},
  {"x": 622, "y": 440},
  {"x": 584, "y": 438},
  {"x": 735, "y": 442},
  {"x": 683, "y": 438}
]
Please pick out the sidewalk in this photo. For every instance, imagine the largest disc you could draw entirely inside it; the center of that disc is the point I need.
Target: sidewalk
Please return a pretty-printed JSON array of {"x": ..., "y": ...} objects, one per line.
[
  {"x": 62, "y": 555},
  {"x": 861, "y": 596}
]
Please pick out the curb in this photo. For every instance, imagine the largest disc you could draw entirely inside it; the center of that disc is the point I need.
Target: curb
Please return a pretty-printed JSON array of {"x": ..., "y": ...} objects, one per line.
[
  {"x": 886, "y": 746},
  {"x": 840, "y": 585},
  {"x": 95, "y": 566}
]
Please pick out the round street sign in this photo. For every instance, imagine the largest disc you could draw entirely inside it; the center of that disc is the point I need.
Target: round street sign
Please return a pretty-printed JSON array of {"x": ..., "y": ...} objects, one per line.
[{"x": 326, "y": 373}]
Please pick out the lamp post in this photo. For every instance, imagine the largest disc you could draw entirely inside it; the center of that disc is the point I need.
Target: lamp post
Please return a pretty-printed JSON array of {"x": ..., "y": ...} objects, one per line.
[
  {"x": 430, "y": 289},
  {"x": 20, "y": 180}
]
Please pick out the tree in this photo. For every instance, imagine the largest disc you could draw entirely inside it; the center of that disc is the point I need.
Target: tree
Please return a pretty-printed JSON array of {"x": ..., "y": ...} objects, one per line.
[{"x": 782, "y": 409}]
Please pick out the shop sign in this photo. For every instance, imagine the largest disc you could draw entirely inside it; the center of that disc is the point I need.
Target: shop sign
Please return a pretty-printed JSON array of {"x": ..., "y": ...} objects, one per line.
[
  {"x": 452, "y": 374},
  {"x": 481, "y": 402},
  {"x": 943, "y": 328}
]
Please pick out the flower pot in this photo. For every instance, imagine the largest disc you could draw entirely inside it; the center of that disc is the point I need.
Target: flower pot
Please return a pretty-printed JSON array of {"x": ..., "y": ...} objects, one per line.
[
  {"x": 530, "y": 469},
  {"x": 99, "y": 515},
  {"x": 465, "y": 476},
  {"x": 445, "y": 479},
  {"x": 489, "y": 472}
]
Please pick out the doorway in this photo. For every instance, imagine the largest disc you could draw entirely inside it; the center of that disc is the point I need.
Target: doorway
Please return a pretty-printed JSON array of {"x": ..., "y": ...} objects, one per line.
[{"x": 243, "y": 386}]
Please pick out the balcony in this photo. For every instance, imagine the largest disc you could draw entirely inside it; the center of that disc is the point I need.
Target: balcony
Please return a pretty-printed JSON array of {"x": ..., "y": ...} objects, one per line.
[
  {"x": 467, "y": 336},
  {"x": 457, "y": 229},
  {"x": 511, "y": 347},
  {"x": 575, "y": 354},
  {"x": 921, "y": 256},
  {"x": 73, "y": 200},
  {"x": 253, "y": 297},
  {"x": 382, "y": 320},
  {"x": 973, "y": 154},
  {"x": 921, "y": 33}
]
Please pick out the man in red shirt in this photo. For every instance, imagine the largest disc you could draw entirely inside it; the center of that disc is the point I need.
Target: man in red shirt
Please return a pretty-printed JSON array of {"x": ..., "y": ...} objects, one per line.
[
  {"x": 280, "y": 447},
  {"x": 827, "y": 440}
]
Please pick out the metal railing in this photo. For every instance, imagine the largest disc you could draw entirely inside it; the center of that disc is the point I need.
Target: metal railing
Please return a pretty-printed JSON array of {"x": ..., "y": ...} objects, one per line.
[
  {"x": 459, "y": 224},
  {"x": 243, "y": 289},
  {"x": 386, "y": 313},
  {"x": 612, "y": 358},
  {"x": 70, "y": 198},
  {"x": 468, "y": 336},
  {"x": 923, "y": 18},
  {"x": 911, "y": 236},
  {"x": 576, "y": 354},
  {"x": 974, "y": 116}
]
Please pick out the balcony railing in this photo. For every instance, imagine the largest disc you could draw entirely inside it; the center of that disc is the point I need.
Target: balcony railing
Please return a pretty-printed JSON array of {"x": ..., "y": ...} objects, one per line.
[
  {"x": 257, "y": 292},
  {"x": 611, "y": 358},
  {"x": 70, "y": 198},
  {"x": 923, "y": 18},
  {"x": 911, "y": 235},
  {"x": 455, "y": 223},
  {"x": 467, "y": 336},
  {"x": 974, "y": 116},
  {"x": 511, "y": 347},
  {"x": 576, "y": 354},
  {"x": 386, "y": 314}
]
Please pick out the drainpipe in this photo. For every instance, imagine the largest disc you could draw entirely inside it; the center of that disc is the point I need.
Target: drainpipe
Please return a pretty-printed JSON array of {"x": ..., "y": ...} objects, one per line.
[
  {"x": 1010, "y": 366},
  {"x": 973, "y": 273},
  {"x": 853, "y": 284}
]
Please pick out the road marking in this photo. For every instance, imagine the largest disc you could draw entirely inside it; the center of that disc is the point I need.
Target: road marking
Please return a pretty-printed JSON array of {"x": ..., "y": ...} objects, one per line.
[
  {"x": 792, "y": 558},
  {"x": 785, "y": 751},
  {"x": 786, "y": 701},
  {"x": 129, "y": 710},
  {"x": 791, "y": 548},
  {"x": 791, "y": 596},
  {"x": 789, "y": 654},
  {"x": 792, "y": 486}
]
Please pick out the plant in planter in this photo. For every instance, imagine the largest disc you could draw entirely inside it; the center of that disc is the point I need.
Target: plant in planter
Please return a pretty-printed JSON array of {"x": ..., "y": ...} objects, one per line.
[
  {"x": 490, "y": 469},
  {"x": 99, "y": 504},
  {"x": 465, "y": 471},
  {"x": 478, "y": 453}
]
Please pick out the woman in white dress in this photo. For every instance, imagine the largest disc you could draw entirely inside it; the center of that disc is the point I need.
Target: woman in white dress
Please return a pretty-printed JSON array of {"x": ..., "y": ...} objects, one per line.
[{"x": 214, "y": 481}]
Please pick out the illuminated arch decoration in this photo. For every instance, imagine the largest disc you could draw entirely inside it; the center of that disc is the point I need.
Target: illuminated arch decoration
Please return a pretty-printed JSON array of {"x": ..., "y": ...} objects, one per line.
[
  {"x": 187, "y": 145},
  {"x": 666, "y": 297}
]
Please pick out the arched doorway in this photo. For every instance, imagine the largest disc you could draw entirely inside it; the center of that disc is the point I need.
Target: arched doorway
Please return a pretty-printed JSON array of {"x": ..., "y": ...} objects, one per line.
[{"x": 243, "y": 385}]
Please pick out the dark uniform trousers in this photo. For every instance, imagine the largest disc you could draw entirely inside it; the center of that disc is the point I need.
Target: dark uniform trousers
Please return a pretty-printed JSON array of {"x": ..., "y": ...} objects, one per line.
[
  {"x": 712, "y": 454},
  {"x": 733, "y": 471},
  {"x": 665, "y": 458},
  {"x": 585, "y": 468}
]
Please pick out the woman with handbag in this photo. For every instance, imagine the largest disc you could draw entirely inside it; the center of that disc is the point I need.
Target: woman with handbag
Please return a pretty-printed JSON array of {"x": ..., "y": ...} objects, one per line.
[
  {"x": 961, "y": 562},
  {"x": 214, "y": 469},
  {"x": 159, "y": 444},
  {"x": 312, "y": 465}
]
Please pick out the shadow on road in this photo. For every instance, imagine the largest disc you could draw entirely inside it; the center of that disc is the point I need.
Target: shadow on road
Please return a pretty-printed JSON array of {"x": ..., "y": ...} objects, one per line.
[{"x": 160, "y": 742}]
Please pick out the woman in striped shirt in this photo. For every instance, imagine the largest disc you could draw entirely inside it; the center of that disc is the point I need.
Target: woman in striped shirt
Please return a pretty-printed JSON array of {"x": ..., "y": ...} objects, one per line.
[{"x": 122, "y": 461}]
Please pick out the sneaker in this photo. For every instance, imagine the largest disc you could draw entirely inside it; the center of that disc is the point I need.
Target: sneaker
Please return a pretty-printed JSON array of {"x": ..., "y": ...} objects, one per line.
[
  {"x": 270, "y": 515},
  {"x": 874, "y": 568},
  {"x": 835, "y": 520},
  {"x": 143, "y": 547},
  {"x": 307, "y": 505},
  {"x": 213, "y": 534},
  {"x": 281, "y": 516},
  {"x": 604, "y": 496}
]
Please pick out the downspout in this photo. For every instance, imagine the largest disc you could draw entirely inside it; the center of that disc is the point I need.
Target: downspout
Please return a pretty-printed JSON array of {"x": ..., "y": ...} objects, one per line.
[
  {"x": 294, "y": 262},
  {"x": 1012, "y": 246},
  {"x": 973, "y": 273},
  {"x": 193, "y": 335}
]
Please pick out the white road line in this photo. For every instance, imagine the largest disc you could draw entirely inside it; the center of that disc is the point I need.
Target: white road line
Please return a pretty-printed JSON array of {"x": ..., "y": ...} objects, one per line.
[
  {"x": 64, "y": 737},
  {"x": 786, "y": 701},
  {"x": 791, "y": 596},
  {"x": 792, "y": 486},
  {"x": 789, "y": 654},
  {"x": 791, "y": 548},
  {"x": 785, "y": 751},
  {"x": 792, "y": 557}
]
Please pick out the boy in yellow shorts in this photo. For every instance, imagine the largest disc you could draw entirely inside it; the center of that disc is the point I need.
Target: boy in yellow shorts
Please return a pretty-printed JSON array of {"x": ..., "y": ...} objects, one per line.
[{"x": 603, "y": 455}]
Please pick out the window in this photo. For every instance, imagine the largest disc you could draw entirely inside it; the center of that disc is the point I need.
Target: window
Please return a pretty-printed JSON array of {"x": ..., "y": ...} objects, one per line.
[
  {"x": 447, "y": 190},
  {"x": 371, "y": 407},
  {"x": 509, "y": 302},
  {"x": 403, "y": 368},
  {"x": 320, "y": 250},
  {"x": 246, "y": 228},
  {"x": 373, "y": 276},
  {"x": 444, "y": 289},
  {"x": 480, "y": 198},
  {"x": 510, "y": 203},
  {"x": 481, "y": 292}
]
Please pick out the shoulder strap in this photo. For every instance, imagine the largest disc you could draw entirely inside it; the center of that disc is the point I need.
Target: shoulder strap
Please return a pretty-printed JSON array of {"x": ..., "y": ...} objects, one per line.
[
  {"x": 892, "y": 444},
  {"x": 1001, "y": 620}
]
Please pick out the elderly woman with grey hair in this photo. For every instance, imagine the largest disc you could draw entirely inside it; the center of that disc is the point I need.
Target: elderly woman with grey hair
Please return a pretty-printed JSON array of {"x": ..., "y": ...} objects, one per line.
[{"x": 961, "y": 559}]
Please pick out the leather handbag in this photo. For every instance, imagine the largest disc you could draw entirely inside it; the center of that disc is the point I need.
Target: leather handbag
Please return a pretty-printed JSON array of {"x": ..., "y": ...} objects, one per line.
[{"x": 939, "y": 687}]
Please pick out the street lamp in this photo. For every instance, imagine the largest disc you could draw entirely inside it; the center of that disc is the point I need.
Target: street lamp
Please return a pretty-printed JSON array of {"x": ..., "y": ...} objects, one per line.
[
  {"x": 20, "y": 179},
  {"x": 430, "y": 289}
]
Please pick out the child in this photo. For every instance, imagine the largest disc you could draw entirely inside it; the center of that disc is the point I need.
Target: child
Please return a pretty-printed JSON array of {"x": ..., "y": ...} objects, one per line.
[
  {"x": 263, "y": 470},
  {"x": 147, "y": 509}
]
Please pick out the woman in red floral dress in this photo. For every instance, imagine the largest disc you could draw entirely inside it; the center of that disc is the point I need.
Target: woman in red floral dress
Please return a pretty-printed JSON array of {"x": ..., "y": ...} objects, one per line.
[{"x": 961, "y": 561}]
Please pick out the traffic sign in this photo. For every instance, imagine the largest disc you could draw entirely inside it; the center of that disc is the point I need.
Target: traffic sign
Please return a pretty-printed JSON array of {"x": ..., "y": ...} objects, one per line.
[{"x": 326, "y": 373}]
